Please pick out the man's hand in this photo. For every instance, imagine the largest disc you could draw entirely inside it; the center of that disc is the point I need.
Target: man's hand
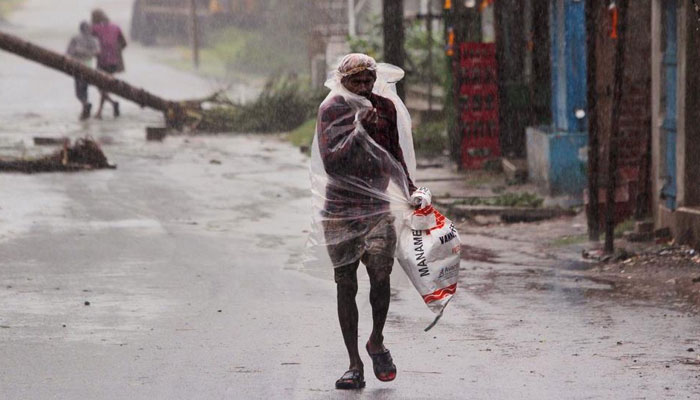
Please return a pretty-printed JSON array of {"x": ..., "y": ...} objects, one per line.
[{"x": 368, "y": 117}]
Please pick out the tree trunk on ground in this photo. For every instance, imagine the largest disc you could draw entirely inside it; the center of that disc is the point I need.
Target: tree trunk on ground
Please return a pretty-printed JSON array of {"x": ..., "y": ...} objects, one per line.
[
  {"x": 394, "y": 37},
  {"x": 106, "y": 82}
]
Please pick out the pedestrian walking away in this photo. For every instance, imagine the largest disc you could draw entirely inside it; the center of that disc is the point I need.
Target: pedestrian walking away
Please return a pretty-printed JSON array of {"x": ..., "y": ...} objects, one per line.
[
  {"x": 362, "y": 161},
  {"x": 110, "y": 59},
  {"x": 83, "y": 47}
]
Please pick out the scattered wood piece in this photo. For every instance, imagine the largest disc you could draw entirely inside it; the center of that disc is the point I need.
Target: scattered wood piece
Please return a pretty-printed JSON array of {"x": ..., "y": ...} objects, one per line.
[
  {"x": 50, "y": 141},
  {"x": 155, "y": 133}
]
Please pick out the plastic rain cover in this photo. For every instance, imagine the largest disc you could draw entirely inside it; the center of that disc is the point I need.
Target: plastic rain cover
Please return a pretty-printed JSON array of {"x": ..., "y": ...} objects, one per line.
[{"x": 360, "y": 191}]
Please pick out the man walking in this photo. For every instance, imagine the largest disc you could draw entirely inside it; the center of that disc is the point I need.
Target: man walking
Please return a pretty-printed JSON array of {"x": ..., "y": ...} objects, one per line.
[
  {"x": 358, "y": 144},
  {"x": 83, "y": 47}
]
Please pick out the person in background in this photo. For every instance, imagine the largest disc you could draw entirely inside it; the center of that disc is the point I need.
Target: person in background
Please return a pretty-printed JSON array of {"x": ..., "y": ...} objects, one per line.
[
  {"x": 83, "y": 47},
  {"x": 110, "y": 59}
]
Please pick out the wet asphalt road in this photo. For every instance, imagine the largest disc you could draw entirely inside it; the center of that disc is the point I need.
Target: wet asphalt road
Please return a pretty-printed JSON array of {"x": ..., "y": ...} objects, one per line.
[{"x": 195, "y": 288}]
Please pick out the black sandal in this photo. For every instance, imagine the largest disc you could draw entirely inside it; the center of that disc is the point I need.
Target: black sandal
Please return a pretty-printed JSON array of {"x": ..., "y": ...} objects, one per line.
[
  {"x": 351, "y": 379},
  {"x": 383, "y": 365}
]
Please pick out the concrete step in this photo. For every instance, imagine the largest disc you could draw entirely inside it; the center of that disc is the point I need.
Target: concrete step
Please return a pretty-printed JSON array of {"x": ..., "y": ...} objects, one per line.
[
  {"x": 515, "y": 170},
  {"x": 506, "y": 214}
]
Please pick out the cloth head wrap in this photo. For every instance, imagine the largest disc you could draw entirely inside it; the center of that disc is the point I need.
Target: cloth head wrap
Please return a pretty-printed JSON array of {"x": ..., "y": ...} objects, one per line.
[{"x": 355, "y": 63}]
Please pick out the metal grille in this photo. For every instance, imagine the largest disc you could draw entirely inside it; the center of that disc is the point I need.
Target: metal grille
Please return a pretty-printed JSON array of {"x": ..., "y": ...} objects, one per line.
[{"x": 478, "y": 104}]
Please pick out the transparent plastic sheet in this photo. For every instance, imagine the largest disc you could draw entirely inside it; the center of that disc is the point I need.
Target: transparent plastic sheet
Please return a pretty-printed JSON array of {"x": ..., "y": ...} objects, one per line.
[
  {"x": 361, "y": 199},
  {"x": 358, "y": 187}
]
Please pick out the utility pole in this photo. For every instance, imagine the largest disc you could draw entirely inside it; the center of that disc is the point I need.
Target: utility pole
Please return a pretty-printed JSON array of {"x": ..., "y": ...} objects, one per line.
[
  {"x": 194, "y": 32},
  {"x": 593, "y": 139},
  {"x": 427, "y": 14},
  {"x": 429, "y": 26},
  {"x": 352, "y": 24},
  {"x": 392, "y": 11},
  {"x": 614, "y": 127}
]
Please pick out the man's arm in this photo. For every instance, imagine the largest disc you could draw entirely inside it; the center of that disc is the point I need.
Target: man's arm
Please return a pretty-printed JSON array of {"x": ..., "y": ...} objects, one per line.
[
  {"x": 71, "y": 48},
  {"x": 95, "y": 47},
  {"x": 121, "y": 40},
  {"x": 335, "y": 125}
]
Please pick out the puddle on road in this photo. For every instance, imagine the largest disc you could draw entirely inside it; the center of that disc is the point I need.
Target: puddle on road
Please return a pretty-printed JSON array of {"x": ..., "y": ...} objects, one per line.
[
  {"x": 578, "y": 284},
  {"x": 471, "y": 253},
  {"x": 576, "y": 265}
]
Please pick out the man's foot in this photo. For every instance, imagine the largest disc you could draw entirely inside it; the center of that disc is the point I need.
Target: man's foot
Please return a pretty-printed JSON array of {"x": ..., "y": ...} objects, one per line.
[
  {"x": 383, "y": 365},
  {"x": 87, "y": 107},
  {"x": 351, "y": 379},
  {"x": 115, "y": 105}
]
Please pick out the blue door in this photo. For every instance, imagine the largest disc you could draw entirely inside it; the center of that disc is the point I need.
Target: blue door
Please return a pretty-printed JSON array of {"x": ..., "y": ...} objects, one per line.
[
  {"x": 670, "y": 70},
  {"x": 568, "y": 55}
]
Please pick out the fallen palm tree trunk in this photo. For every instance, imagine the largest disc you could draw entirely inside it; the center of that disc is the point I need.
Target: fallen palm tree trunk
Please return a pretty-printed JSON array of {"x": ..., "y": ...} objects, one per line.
[
  {"x": 175, "y": 113},
  {"x": 283, "y": 105},
  {"x": 85, "y": 154}
]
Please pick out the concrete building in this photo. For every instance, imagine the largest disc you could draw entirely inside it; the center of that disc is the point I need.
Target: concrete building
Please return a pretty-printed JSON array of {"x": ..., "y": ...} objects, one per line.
[
  {"x": 675, "y": 176},
  {"x": 557, "y": 153}
]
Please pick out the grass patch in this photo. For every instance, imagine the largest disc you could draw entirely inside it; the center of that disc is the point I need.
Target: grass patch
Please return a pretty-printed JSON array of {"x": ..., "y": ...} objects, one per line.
[
  {"x": 569, "y": 240},
  {"x": 303, "y": 136},
  {"x": 284, "y": 104},
  {"x": 430, "y": 138},
  {"x": 7, "y": 6},
  {"x": 257, "y": 51},
  {"x": 624, "y": 226}
]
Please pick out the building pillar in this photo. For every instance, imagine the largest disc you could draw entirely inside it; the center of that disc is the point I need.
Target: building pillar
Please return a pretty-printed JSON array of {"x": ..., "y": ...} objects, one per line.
[
  {"x": 656, "y": 93},
  {"x": 689, "y": 107}
]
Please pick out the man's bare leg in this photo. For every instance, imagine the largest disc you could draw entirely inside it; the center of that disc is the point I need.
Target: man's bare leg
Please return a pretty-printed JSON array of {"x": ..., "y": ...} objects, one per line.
[
  {"x": 346, "y": 281},
  {"x": 379, "y": 271},
  {"x": 103, "y": 98}
]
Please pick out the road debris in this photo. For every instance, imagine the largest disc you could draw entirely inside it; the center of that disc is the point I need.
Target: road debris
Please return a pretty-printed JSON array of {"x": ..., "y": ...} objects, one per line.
[
  {"x": 661, "y": 272},
  {"x": 154, "y": 133},
  {"x": 85, "y": 154},
  {"x": 50, "y": 141}
]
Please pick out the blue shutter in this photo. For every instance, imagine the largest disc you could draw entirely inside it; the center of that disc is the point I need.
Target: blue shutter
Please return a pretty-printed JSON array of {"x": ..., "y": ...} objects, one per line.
[
  {"x": 670, "y": 67},
  {"x": 568, "y": 54}
]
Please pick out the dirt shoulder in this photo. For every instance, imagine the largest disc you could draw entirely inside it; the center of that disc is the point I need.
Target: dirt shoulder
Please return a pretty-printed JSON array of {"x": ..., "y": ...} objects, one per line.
[{"x": 662, "y": 273}]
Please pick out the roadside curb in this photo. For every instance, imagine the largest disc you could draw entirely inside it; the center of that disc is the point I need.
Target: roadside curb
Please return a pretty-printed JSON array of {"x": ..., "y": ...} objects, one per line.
[{"x": 507, "y": 214}]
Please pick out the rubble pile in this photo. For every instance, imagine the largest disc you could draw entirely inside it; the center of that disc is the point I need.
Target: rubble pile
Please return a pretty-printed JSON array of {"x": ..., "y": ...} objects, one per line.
[{"x": 84, "y": 154}]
